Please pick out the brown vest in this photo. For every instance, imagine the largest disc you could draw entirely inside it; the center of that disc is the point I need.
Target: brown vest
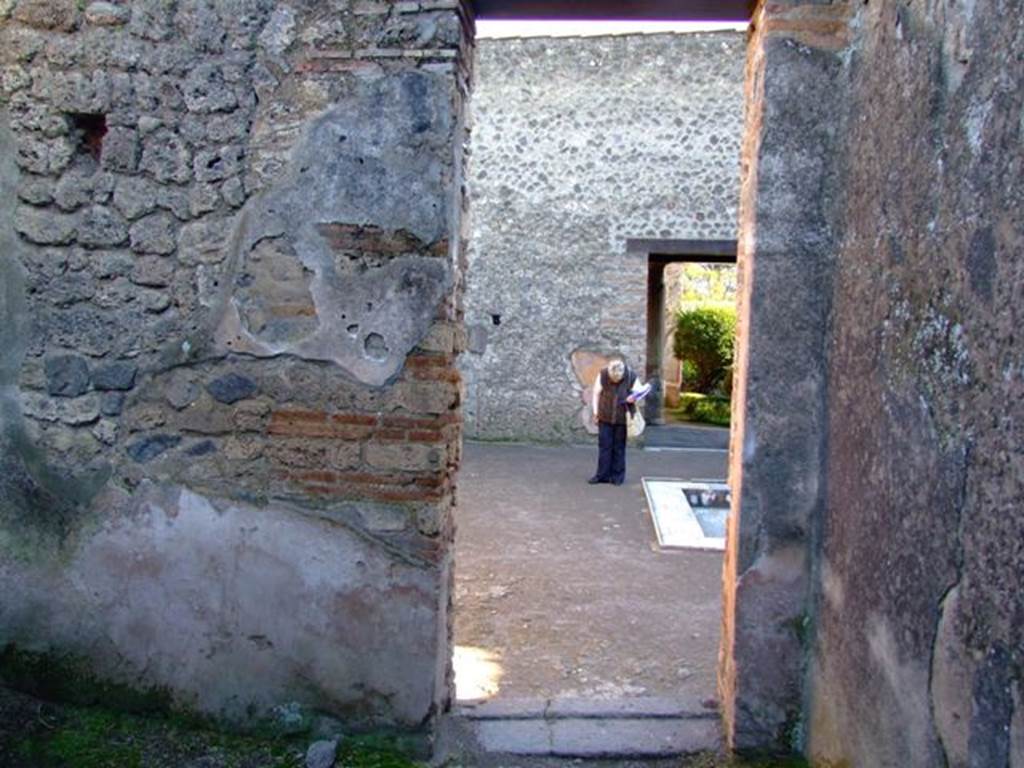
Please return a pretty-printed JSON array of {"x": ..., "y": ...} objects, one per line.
[{"x": 610, "y": 408}]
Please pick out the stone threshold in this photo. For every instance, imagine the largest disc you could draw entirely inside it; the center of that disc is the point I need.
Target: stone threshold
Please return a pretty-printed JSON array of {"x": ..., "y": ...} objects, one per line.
[{"x": 646, "y": 727}]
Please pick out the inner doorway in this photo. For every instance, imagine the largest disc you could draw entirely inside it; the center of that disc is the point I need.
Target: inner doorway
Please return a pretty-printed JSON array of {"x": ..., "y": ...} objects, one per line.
[
  {"x": 561, "y": 592},
  {"x": 687, "y": 408}
]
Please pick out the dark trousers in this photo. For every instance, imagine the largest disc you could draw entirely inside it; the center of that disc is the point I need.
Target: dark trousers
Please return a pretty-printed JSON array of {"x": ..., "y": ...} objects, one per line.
[{"x": 611, "y": 452}]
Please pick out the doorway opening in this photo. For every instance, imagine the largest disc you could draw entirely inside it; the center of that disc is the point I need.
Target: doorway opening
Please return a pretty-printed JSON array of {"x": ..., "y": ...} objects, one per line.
[
  {"x": 691, "y": 327},
  {"x": 563, "y": 599}
]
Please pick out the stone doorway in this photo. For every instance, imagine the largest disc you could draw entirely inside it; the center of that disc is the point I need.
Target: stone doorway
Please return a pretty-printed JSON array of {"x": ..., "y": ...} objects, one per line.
[{"x": 661, "y": 369}]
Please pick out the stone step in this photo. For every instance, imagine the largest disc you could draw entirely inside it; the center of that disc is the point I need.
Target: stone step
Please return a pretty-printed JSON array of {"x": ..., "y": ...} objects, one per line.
[{"x": 588, "y": 728}]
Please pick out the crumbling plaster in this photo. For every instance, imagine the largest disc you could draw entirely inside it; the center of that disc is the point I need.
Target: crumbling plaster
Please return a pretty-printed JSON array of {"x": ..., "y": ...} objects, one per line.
[{"x": 230, "y": 236}]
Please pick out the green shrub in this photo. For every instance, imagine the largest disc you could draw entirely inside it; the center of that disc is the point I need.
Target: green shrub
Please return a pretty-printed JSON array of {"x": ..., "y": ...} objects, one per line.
[
  {"x": 705, "y": 338},
  {"x": 707, "y": 409}
]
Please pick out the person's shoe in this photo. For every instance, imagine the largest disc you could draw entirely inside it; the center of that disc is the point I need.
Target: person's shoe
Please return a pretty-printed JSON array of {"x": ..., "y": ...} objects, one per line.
[
  {"x": 595, "y": 480},
  {"x": 618, "y": 482}
]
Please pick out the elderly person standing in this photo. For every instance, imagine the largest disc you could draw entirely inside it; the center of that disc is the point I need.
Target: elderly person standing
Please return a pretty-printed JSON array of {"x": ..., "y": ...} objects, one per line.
[{"x": 614, "y": 394}]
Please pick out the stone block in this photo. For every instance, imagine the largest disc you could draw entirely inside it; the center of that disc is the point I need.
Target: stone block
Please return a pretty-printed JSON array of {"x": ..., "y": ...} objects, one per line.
[
  {"x": 204, "y": 241},
  {"x": 74, "y": 189},
  {"x": 67, "y": 375},
  {"x": 105, "y": 430},
  {"x": 36, "y": 190},
  {"x": 70, "y": 288},
  {"x": 231, "y": 388},
  {"x": 135, "y": 196},
  {"x": 205, "y": 90},
  {"x": 153, "y": 271},
  {"x": 103, "y": 14},
  {"x": 181, "y": 389},
  {"x": 118, "y": 376},
  {"x": 105, "y": 265},
  {"x": 75, "y": 411},
  {"x": 100, "y": 226},
  {"x": 403, "y": 456},
  {"x": 121, "y": 148},
  {"x": 166, "y": 157},
  {"x": 321, "y": 754},
  {"x": 59, "y": 15},
  {"x": 112, "y": 403},
  {"x": 147, "y": 448},
  {"x": 216, "y": 164},
  {"x": 44, "y": 155},
  {"x": 45, "y": 227},
  {"x": 154, "y": 233},
  {"x": 434, "y": 397}
]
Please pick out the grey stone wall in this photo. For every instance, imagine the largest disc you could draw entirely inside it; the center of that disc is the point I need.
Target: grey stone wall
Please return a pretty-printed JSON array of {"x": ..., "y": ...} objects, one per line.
[
  {"x": 918, "y": 657},
  {"x": 230, "y": 236},
  {"x": 872, "y": 609},
  {"x": 578, "y": 145}
]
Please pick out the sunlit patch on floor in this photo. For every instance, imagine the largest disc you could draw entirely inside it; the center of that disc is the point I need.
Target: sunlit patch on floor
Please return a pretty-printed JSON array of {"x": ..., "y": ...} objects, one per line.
[{"x": 477, "y": 672}]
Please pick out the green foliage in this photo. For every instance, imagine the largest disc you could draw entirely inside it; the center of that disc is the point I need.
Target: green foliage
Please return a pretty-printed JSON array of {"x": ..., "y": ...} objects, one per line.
[
  {"x": 67, "y": 678},
  {"x": 92, "y": 737},
  {"x": 706, "y": 409},
  {"x": 705, "y": 338},
  {"x": 707, "y": 282}
]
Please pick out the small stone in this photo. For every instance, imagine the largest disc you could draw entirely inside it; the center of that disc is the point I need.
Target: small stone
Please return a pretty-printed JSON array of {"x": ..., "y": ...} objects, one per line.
[
  {"x": 102, "y": 226},
  {"x": 153, "y": 271},
  {"x": 166, "y": 157},
  {"x": 74, "y": 189},
  {"x": 154, "y": 233},
  {"x": 45, "y": 227},
  {"x": 80, "y": 410},
  {"x": 66, "y": 375},
  {"x": 155, "y": 301},
  {"x": 120, "y": 150},
  {"x": 231, "y": 388},
  {"x": 233, "y": 192},
  {"x": 112, "y": 403},
  {"x": 205, "y": 90},
  {"x": 35, "y": 190},
  {"x": 105, "y": 431},
  {"x": 321, "y": 754},
  {"x": 204, "y": 241},
  {"x": 105, "y": 266},
  {"x": 134, "y": 197},
  {"x": 202, "y": 448},
  {"x": 203, "y": 198},
  {"x": 148, "y": 124},
  {"x": 118, "y": 375},
  {"x": 181, "y": 390},
  {"x": 48, "y": 14},
  {"x": 149, "y": 448},
  {"x": 217, "y": 164},
  {"x": 279, "y": 31},
  {"x": 106, "y": 14}
]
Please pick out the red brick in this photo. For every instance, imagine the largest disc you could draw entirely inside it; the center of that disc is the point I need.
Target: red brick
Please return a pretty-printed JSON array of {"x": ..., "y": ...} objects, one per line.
[
  {"x": 426, "y": 436},
  {"x": 354, "y": 418}
]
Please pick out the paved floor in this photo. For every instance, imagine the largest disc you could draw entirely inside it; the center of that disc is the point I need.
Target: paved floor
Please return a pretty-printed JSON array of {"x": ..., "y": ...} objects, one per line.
[
  {"x": 686, "y": 436},
  {"x": 560, "y": 588}
]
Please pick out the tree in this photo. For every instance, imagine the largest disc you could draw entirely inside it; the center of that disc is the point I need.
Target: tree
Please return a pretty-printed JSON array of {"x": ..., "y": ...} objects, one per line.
[{"x": 704, "y": 342}]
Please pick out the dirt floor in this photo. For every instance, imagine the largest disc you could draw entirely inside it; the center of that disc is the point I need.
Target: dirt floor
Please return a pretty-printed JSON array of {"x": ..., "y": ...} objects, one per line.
[{"x": 561, "y": 590}]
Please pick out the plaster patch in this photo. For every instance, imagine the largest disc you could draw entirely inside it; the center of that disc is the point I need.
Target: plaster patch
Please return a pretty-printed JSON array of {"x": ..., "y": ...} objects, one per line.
[{"x": 345, "y": 258}]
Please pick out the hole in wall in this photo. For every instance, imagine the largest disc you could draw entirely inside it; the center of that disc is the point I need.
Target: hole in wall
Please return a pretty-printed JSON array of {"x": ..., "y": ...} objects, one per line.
[
  {"x": 495, "y": 319},
  {"x": 88, "y": 131},
  {"x": 375, "y": 347}
]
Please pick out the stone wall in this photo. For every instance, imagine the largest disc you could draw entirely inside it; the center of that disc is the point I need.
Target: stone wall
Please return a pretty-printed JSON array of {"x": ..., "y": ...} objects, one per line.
[
  {"x": 230, "y": 236},
  {"x": 918, "y": 658},
  {"x": 873, "y": 614},
  {"x": 579, "y": 144}
]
